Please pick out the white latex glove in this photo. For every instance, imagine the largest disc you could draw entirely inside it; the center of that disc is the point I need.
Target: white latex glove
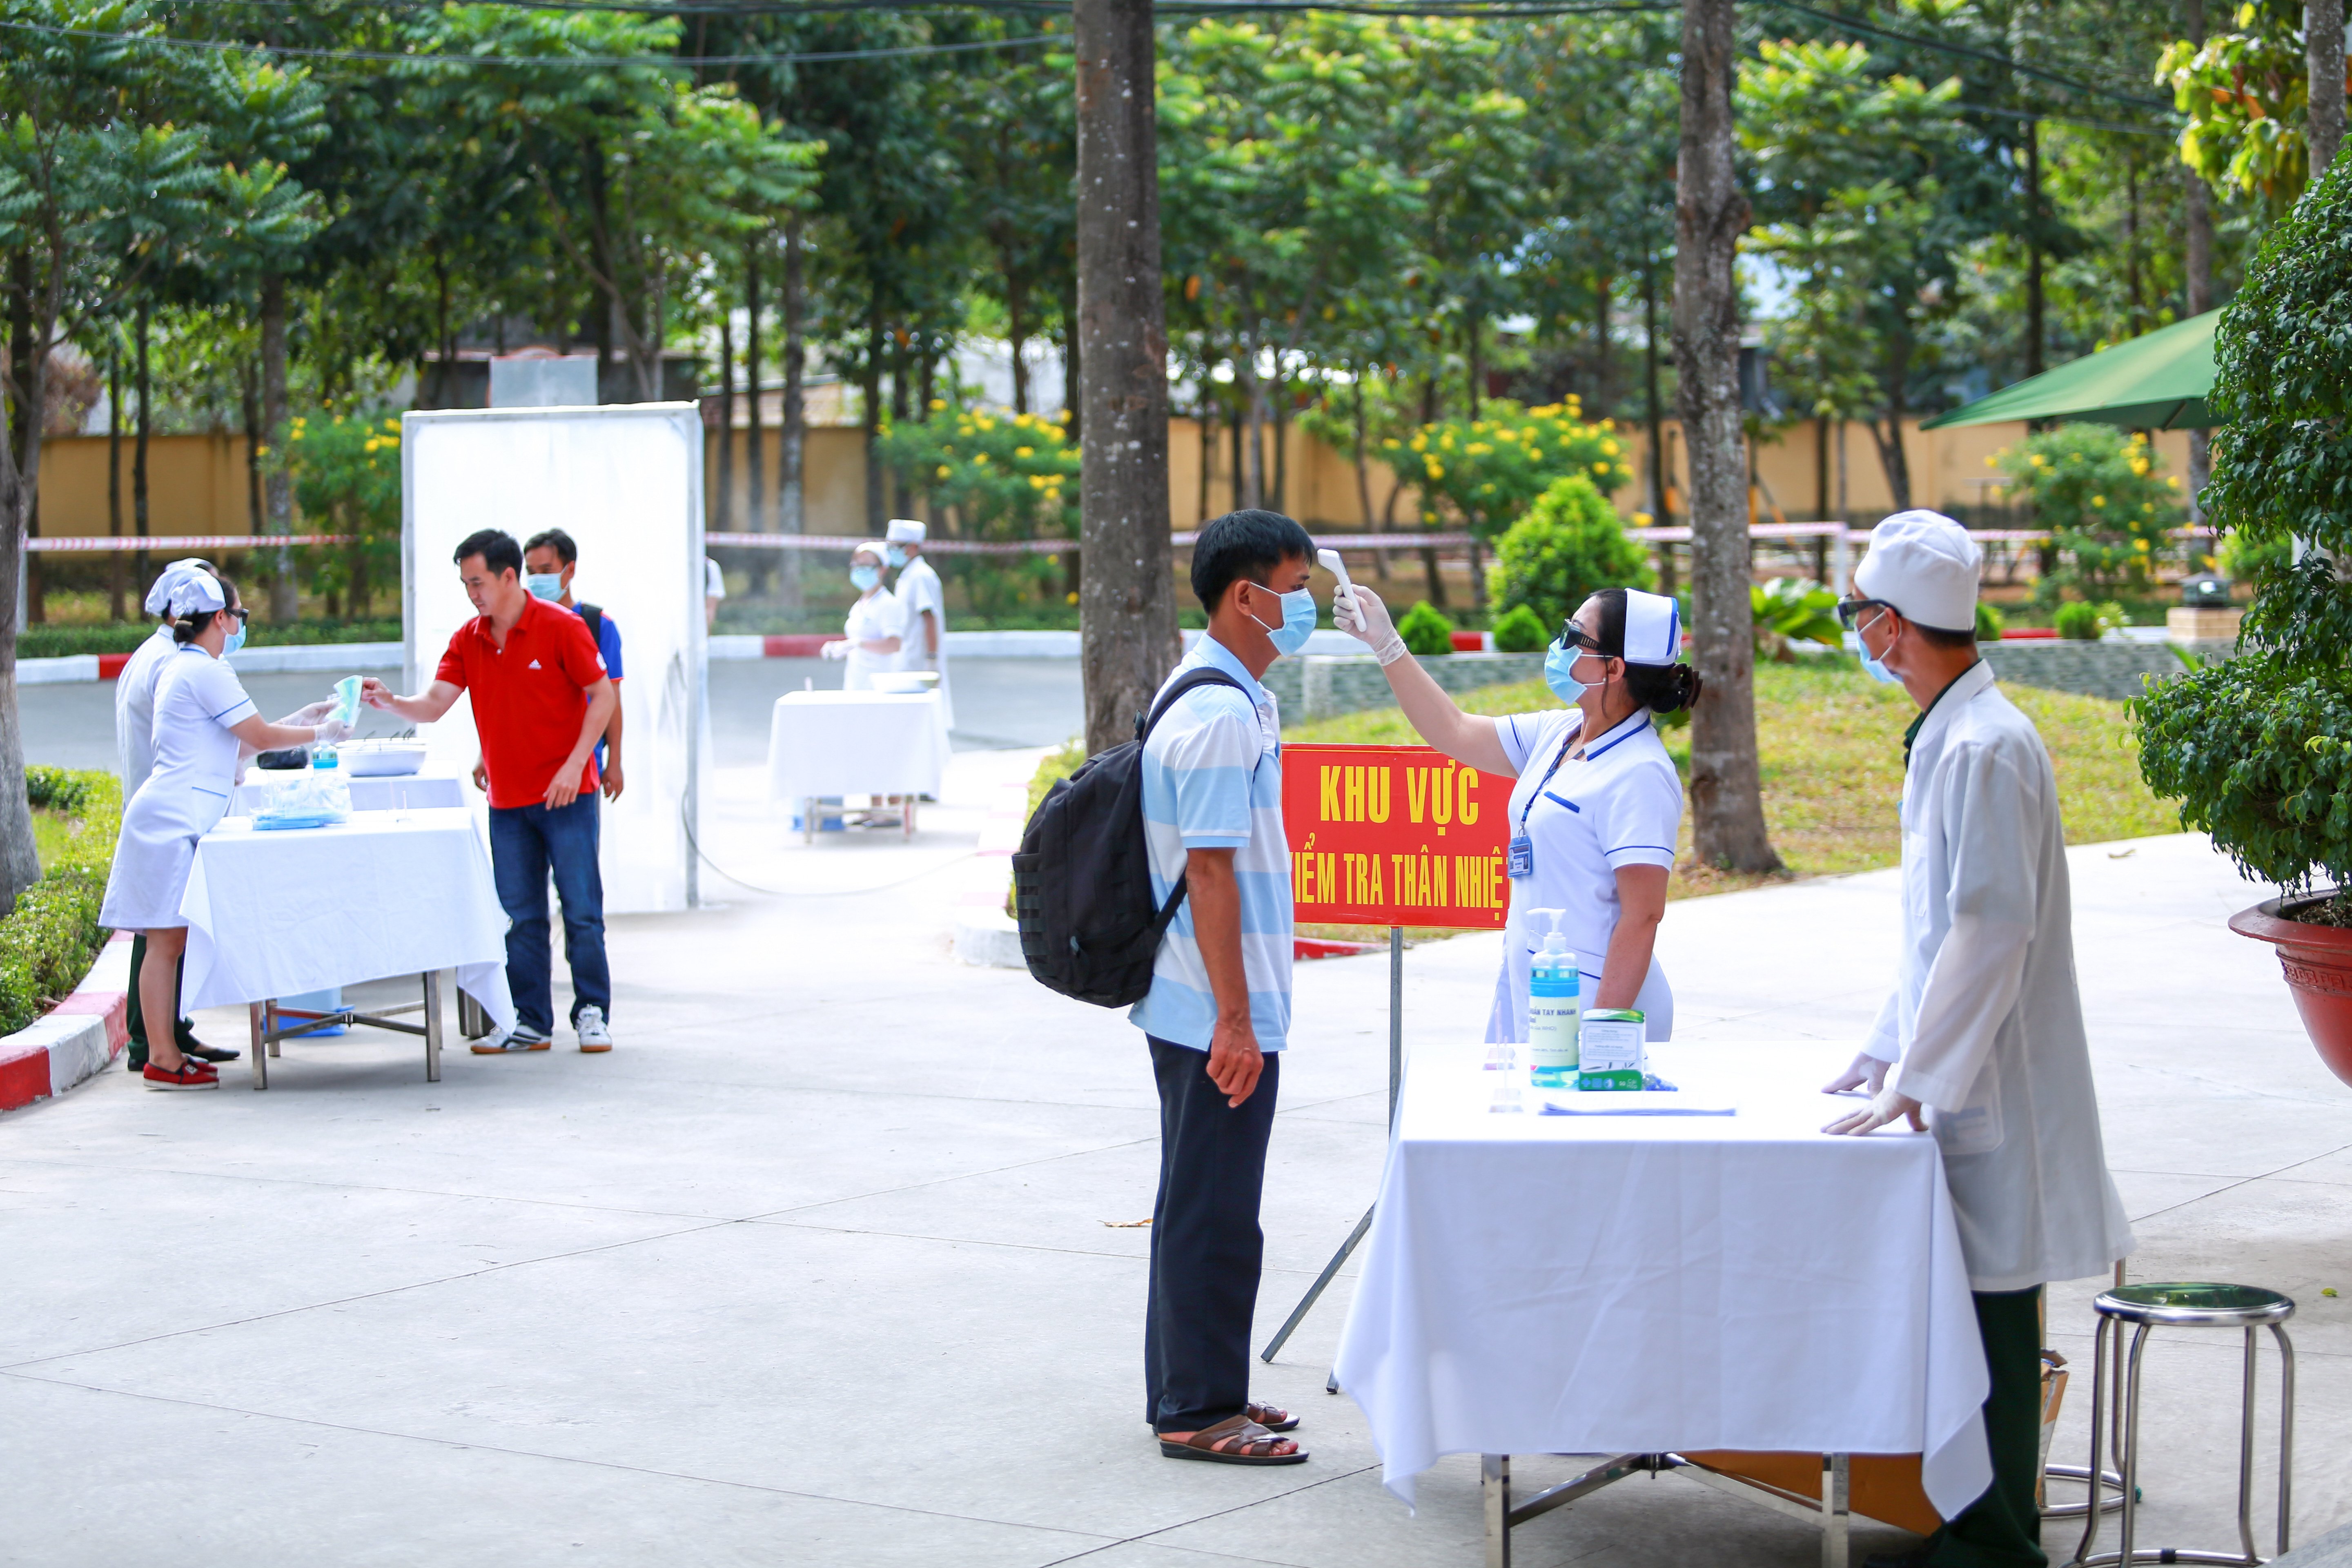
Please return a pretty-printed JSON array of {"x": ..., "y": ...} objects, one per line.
[
  {"x": 1867, "y": 1074},
  {"x": 1357, "y": 611},
  {"x": 838, "y": 649},
  {"x": 332, "y": 731},
  {"x": 311, "y": 712},
  {"x": 1888, "y": 1105}
]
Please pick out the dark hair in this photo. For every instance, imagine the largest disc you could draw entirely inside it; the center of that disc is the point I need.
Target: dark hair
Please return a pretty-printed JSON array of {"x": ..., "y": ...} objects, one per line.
[
  {"x": 1248, "y": 543},
  {"x": 554, "y": 539},
  {"x": 497, "y": 548},
  {"x": 1660, "y": 688},
  {"x": 187, "y": 628},
  {"x": 1937, "y": 637}
]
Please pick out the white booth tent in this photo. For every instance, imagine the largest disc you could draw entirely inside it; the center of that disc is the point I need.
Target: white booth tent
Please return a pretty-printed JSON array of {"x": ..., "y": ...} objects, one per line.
[{"x": 625, "y": 482}]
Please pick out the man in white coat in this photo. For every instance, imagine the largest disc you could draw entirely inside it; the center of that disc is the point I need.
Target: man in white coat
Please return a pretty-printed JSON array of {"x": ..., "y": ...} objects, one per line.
[
  {"x": 1984, "y": 1029},
  {"x": 923, "y": 597}
]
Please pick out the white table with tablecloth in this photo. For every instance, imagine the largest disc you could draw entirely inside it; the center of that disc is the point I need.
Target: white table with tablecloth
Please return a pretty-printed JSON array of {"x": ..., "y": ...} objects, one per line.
[
  {"x": 827, "y": 745},
  {"x": 1656, "y": 1284},
  {"x": 426, "y": 789},
  {"x": 388, "y": 893}
]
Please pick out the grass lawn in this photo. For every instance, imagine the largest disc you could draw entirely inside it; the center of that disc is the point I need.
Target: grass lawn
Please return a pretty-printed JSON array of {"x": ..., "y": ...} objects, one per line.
[{"x": 1832, "y": 747}]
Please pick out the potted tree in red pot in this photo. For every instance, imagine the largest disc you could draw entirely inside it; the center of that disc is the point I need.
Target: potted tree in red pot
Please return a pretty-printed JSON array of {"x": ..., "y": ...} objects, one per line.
[{"x": 2258, "y": 749}]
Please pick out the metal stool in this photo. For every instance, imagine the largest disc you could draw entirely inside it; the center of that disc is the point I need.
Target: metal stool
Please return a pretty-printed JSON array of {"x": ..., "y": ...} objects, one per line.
[{"x": 2187, "y": 1306}]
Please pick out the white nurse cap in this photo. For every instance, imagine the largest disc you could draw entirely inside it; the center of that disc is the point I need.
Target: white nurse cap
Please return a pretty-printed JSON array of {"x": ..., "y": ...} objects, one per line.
[
  {"x": 906, "y": 531},
  {"x": 194, "y": 591},
  {"x": 1924, "y": 564},
  {"x": 867, "y": 547},
  {"x": 159, "y": 596},
  {"x": 1653, "y": 628}
]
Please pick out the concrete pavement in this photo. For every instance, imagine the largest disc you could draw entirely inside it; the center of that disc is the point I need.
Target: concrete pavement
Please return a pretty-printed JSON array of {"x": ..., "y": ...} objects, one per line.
[{"x": 830, "y": 1260}]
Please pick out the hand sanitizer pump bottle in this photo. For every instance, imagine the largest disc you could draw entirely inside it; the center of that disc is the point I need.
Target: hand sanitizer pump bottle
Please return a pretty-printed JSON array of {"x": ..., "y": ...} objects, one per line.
[{"x": 1552, "y": 1008}]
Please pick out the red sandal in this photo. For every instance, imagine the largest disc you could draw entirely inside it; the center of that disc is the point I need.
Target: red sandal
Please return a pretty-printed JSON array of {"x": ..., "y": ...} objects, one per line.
[{"x": 189, "y": 1074}]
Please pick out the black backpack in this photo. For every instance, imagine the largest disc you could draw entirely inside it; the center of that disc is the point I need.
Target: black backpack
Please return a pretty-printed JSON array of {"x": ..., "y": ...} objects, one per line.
[{"x": 1082, "y": 879}]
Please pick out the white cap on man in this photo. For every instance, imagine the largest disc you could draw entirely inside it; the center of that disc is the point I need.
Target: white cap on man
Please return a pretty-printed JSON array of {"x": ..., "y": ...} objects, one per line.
[
  {"x": 1926, "y": 566},
  {"x": 906, "y": 531}
]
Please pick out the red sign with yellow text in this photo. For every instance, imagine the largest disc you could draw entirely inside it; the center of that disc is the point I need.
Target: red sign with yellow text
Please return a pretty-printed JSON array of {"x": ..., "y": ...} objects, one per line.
[{"x": 1394, "y": 835}]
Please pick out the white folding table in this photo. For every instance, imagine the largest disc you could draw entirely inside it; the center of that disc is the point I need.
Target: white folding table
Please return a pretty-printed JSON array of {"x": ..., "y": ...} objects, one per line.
[
  {"x": 275, "y": 914},
  {"x": 826, "y": 744},
  {"x": 1635, "y": 1288}
]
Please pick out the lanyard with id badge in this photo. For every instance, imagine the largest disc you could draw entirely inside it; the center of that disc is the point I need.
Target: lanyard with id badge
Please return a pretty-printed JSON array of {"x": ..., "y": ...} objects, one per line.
[{"x": 1519, "y": 858}]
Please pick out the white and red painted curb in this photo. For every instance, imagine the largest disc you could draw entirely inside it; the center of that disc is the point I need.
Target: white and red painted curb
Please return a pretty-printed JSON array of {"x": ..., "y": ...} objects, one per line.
[
  {"x": 984, "y": 934},
  {"x": 79, "y": 1039}
]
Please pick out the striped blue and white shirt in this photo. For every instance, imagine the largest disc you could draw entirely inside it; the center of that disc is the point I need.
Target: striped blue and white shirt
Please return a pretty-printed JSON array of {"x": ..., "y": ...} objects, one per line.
[{"x": 1213, "y": 780}]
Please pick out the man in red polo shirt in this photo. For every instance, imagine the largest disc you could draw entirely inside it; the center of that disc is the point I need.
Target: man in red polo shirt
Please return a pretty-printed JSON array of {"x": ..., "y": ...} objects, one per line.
[{"x": 542, "y": 700}]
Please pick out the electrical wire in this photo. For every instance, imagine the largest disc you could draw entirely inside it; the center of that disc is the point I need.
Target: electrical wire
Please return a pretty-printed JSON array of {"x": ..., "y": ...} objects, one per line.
[
  {"x": 695, "y": 845},
  {"x": 1877, "y": 30}
]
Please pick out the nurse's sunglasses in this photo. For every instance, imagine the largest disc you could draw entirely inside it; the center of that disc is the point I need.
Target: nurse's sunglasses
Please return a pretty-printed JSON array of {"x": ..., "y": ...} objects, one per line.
[
  {"x": 1572, "y": 636},
  {"x": 1850, "y": 610},
  {"x": 241, "y": 612}
]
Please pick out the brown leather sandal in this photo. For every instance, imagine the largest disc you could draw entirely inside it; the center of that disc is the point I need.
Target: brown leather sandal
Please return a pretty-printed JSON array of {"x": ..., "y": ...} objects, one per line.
[
  {"x": 1273, "y": 1418},
  {"x": 1236, "y": 1440}
]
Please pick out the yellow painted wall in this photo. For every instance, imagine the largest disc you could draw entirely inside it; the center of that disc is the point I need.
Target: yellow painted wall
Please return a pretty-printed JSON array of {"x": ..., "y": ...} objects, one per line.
[{"x": 197, "y": 483}]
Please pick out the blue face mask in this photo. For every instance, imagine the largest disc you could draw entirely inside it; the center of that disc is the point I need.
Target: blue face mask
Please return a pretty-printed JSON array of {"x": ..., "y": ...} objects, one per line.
[
  {"x": 236, "y": 640},
  {"x": 897, "y": 556},
  {"x": 1297, "y": 624},
  {"x": 1558, "y": 662},
  {"x": 864, "y": 577},
  {"x": 544, "y": 585},
  {"x": 1876, "y": 671}
]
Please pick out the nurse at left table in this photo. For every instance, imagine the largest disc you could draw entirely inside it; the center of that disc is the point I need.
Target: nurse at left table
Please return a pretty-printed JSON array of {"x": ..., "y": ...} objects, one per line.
[{"x": 201, "y": 719}]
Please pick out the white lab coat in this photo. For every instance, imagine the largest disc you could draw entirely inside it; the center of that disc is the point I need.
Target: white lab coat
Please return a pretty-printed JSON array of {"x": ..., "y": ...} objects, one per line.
[
  {"x": 871, "y": 619},
  {"x": 197, "y": 700},
  {"x": 918, "y": 589},
  {"x": 1985, "y": 1019},
  {"x": 134, "y": 708}
]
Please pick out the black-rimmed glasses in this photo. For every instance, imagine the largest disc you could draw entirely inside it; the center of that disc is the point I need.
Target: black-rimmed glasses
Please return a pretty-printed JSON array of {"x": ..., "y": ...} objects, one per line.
[{"x": 1850, "y": 610}]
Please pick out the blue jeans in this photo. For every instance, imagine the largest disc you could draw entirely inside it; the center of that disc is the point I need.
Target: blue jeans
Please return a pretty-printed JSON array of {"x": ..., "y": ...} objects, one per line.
[{"x": 525, "y": 842}]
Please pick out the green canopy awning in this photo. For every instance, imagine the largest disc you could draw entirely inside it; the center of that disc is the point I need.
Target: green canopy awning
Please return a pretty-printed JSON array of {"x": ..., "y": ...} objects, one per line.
[{"x": 2158, "y": 382}]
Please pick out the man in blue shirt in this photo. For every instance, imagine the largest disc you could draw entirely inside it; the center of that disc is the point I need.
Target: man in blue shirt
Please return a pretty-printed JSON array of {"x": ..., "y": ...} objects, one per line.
[
  {"x": 549, "y": 561},
  {"x": 1219, "y": 1007}
]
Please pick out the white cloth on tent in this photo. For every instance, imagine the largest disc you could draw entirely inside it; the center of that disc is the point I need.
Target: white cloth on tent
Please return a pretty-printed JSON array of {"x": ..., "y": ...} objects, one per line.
[
  {"x": 824, "y": 743},
  {"x": 1651, "y": 1284},
  {"x": 1984, "y": 1017},
  {"x": 871, "y": 619},
  {"x": 197, "y": 698},
  {"x": 385, "y": 894}
]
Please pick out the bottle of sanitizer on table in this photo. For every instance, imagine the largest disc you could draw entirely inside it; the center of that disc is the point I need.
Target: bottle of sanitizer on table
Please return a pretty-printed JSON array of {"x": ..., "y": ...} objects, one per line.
[{"x": 1552, "y": 1008}]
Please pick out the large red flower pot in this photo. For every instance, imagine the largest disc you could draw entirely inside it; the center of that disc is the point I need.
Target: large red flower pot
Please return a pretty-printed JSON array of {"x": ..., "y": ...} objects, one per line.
[{"x": 2319, "y": 964}]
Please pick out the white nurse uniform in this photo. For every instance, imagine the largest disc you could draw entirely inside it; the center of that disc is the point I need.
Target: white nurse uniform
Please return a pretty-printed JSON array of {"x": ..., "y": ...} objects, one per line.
[
  {"x": 1619, "y": 804},
  {"x": 871, "y": 619},
  {"x": 197, "y": 698}
]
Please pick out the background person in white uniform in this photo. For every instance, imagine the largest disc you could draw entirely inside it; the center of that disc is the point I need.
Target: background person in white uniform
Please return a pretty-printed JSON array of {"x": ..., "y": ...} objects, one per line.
[
  {"x": 1598, "y": 805},
  {"x": 202, "y": 716},
  {"x": 923, "y": 601},
  {"x": 134, "y": 746},
  {"x": 1984, "y": 1021},
  {"x": 869, "y": 637}
]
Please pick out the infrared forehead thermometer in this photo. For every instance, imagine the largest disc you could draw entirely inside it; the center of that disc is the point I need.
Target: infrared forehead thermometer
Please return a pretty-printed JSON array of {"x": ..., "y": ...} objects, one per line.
[{"x": 1334, "y": 565}]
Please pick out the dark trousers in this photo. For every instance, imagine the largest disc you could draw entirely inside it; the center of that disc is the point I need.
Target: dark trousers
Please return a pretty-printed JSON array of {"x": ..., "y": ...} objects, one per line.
[
  {"x": 526, "y": 842},
  {"x": 1206, "y": 1246},
  {"x": 137, "y": 1022},
  {"x": 2003, "y": 1529}
]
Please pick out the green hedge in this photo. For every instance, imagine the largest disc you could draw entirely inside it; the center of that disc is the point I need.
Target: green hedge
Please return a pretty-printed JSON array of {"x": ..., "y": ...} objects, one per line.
[
  {"x": 46, "y": 943},
  {"x": 123, "y": 636}
]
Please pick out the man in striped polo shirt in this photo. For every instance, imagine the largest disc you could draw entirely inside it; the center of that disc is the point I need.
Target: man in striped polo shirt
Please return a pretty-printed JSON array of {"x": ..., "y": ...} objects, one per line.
[{"x": 1220, "y": 1002}]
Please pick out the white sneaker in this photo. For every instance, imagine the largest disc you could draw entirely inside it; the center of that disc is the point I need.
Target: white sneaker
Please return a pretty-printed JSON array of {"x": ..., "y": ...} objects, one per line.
[{"x": 595, "y": 1034}]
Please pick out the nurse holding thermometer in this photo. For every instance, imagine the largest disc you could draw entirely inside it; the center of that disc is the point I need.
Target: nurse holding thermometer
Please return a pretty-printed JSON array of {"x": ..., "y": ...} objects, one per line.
[{"x": 1598, "y": 806}]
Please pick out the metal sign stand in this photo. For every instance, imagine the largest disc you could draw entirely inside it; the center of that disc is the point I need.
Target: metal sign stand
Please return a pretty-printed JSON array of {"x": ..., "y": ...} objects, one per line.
[{"x": 1396, "y": 1075}]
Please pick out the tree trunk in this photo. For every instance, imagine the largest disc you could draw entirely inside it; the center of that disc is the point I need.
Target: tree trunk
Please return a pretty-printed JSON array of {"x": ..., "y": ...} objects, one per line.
[
  {"x": 1073, "y": 371},
  {"x": 1710, "y": 215},
  {"x": 27, "y": 384},
  {"x": 1279, "y": 494},
  {"x": 2198, "y": 199},
  {"x": 1016, "y": 334},
  {"x": 116, "y": 607},
  {"x": 755, "y": 459},
  {"x": 1891, "y": 455},
  {"x": 1660, "y": 512},
  {"x": 870, "y": 385},
  {"x": 1127, "y": 611},
  {"x": 2323, "y": 43},
  {"x": 140, "y": 331},
  {"x": 722, "y": 515},
  {"x": 277, "y": 485},
  {"x": 1473, "y": 339},
  {"x": 2034, "y": 291},
  {"x": 1603, "y": 360},
  {"x": 790, "y": 489},
  {"x": 1253, "y": 452},
  {"x": 249, "y": 390}
]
